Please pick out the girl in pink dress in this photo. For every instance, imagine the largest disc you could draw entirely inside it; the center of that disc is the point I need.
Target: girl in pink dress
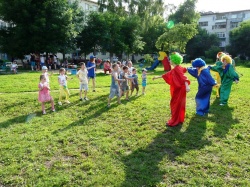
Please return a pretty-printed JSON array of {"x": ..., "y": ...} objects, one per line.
[{"x": 44, "y": 94}]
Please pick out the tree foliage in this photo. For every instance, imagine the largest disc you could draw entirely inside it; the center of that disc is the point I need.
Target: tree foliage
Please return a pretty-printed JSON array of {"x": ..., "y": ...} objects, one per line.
[
  {"x": 240, "y": 39},
  {"x": 176, "y": 38},
  {"x": 112, "y": 33},
  {"x": 186, "y": 13},
  {"x": 200, "y": 43},
  {"x": 41, "y": 26}
]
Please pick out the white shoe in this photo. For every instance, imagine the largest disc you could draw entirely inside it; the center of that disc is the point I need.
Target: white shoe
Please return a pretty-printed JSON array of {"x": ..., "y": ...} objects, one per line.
[
  {"x": 86, "y": 99},
  {"x": 44, "y": 112},
  {"x": 53, "y": 110},
  {"x": 59, "y": 103},
  {"x": 67, "y": 102}
]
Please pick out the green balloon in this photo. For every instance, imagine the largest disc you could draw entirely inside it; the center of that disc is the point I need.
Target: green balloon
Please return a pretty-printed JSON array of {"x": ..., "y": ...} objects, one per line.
[{"x": 170, "y": 24}]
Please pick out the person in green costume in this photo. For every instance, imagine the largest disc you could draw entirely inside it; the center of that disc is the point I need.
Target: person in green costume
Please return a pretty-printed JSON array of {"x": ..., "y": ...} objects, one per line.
[
  {"x": 228, "y": 76},
  {"x": 218, "y": 64}
]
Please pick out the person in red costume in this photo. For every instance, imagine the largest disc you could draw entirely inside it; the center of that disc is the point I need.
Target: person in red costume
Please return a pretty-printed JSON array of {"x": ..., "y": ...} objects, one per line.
[{"x": 179, "y": 86}]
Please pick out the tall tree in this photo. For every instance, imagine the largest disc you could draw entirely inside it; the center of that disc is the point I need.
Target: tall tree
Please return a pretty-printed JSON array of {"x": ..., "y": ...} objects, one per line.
[
  {"x": 240, "y": 39},
  {"x": 200, "y": 43},
  {"x": 186, "y": 13},
  {"x": 177, "y": 37},
  {"x": 41, "y": 26}
]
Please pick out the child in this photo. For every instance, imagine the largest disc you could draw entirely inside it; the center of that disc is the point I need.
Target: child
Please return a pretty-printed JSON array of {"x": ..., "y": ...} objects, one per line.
[
  {"x": 114, "y": 88},
  {"x": 124, "y": 85},
  {"x": 82, "y": 75},
  {"x": 179, "y": 85},
  {"x": 134, "y": 82},
  {"x": 45, "y": 73},
  {"x": 206, "y": 83},
  {"x": 144, "y": 80},
  {"x": 44, "y": 94},
  {"x": 62, "y": 80},
  {"x": 91, "y": 70},
  {"x": 107, "y": 67},
  {"x": 14, "y": 67},
  {"x": 218, "y": 64},
  {"x": 228, "y": 76}
]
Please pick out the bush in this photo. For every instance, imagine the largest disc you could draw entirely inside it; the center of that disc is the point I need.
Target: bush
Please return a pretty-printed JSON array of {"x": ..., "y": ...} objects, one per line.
[
  {"x": 212, "y": 52},
  {"x": 209, "y": 61},
  {"x": 148, "y": 58}
]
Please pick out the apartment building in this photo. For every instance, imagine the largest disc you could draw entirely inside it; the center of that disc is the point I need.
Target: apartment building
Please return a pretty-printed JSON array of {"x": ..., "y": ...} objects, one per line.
[{"x": 222, "y": 23}]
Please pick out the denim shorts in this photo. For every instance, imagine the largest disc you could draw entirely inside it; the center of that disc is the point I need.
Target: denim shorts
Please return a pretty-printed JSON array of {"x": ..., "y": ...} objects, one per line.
[
  {"x": 114, "y": 92},
  {"x": 84, "y": 87}
]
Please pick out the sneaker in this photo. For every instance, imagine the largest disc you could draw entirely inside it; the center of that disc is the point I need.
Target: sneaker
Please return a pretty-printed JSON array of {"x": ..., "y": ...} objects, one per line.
[
  {"x": 108, "y": 105},
  {"x": 143, "y": 93},
  {"x": 136, "y": 94},
  {"x": 221, "y": 104},
  {"x": 80, "y": 99},
  {"x": 86, "y": 99},
  {"x": 53, "y": 110},
  {"x": 59, "y": 103},
  {"x": 44, "y": 112},
  {"x": 67, "y": 102}
]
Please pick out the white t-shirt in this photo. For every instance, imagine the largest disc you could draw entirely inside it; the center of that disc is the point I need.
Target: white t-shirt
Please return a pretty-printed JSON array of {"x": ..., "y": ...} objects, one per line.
[
  {"x": 42, "y": 59},
  {"x": 83, "y": 75},
  {"x": 13, "y": 66},
  {"x": 130, "y": 70},
  {"x": 46, "y": 76},
  {"x": 62, "y": 80}
]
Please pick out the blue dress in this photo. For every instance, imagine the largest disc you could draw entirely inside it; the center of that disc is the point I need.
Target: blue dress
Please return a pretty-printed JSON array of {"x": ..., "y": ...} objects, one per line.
[{"x": 206, "y": 83}]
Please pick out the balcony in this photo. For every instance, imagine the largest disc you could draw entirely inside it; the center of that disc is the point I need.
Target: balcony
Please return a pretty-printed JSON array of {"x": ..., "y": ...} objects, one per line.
[{"x": 236, "y": 20}]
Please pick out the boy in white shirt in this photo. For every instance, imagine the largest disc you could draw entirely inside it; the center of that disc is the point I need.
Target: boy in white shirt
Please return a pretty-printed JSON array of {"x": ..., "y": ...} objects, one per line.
[{"x": 82, "y": 75}]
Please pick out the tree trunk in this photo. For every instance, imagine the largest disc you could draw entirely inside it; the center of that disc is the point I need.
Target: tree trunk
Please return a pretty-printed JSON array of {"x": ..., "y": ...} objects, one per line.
[
  {"x": 111, "y": 56},
  {"x": 63, "y": 56}
]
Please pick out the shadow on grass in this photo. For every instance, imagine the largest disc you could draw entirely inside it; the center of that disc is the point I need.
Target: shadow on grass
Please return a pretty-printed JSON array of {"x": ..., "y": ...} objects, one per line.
[
  {"x": 142, "y": 166},
  {"x": 222, "y": 117}
]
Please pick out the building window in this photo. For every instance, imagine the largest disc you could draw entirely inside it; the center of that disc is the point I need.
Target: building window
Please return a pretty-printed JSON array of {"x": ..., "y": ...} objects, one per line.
[
  {"x": 219, "y": 26},
  {"x": 220, "y": 17},
  {"x": 203, "y": 24},
  {"x": 233, "y": 25},
  {"x": 221, "y": 34},
  {"x": 222, "y": 44},
  {"x": 86, "y": 6}
]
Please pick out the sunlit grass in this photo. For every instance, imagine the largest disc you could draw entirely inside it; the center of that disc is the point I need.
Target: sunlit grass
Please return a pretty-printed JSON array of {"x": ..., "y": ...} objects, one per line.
[{"x": 86, "y": 144}]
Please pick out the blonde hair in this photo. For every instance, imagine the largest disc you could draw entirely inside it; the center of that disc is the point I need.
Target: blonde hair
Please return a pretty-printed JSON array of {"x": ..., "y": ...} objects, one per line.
[{"x": 227, "y": 59}]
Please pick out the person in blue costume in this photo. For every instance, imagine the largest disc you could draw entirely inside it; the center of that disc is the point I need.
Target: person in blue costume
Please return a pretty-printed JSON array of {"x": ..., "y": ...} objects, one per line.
[
  {"x": 206, "y": 83},
  {"x": 228, "y": 76}
]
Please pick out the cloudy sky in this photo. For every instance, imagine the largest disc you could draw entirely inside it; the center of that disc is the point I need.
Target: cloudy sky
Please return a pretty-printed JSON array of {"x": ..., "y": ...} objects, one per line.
[{"x": 217, "y": 5}]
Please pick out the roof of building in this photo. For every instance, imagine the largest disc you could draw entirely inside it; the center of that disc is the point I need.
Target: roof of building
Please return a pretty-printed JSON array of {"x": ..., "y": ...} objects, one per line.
[{"x": 211, "y": 12}]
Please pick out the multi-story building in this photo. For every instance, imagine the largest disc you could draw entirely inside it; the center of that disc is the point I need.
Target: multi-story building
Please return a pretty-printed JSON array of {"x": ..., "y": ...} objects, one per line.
[{"x": 222, "y": 23}]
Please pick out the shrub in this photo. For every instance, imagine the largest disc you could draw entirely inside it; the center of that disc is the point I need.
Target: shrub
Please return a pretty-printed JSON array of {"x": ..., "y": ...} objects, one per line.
[{"x": 148, "y": 58}]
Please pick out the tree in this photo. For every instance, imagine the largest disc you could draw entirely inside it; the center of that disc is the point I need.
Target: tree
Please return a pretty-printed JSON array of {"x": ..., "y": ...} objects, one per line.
[
  {"x": 200, "y": 43},
  {"x": 186, "y": 13},
  {"x": 240, "y": 39},
  {"x": 112, "y": 33},
  {"x": 150, "y": 31},
  {"x": 176, "y": 38},
  {"x": 92, "y": 35},
  {"x": 41, "y": 26}
]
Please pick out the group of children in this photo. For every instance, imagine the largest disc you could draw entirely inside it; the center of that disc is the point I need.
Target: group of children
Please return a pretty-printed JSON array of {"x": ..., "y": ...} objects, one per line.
[
  {"x": 84, "y": 75},
  {"x": 125, "y": 78},
  {"x": 179, "y": 85}
]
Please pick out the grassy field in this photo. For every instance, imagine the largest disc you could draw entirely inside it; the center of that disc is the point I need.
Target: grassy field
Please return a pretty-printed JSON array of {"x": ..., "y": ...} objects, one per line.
[{"x": 86, "y": 144}]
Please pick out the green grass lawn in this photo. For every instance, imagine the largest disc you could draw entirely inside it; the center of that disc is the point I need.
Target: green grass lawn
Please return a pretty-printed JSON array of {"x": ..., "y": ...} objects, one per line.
[{"x": 86, "y": 144}]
